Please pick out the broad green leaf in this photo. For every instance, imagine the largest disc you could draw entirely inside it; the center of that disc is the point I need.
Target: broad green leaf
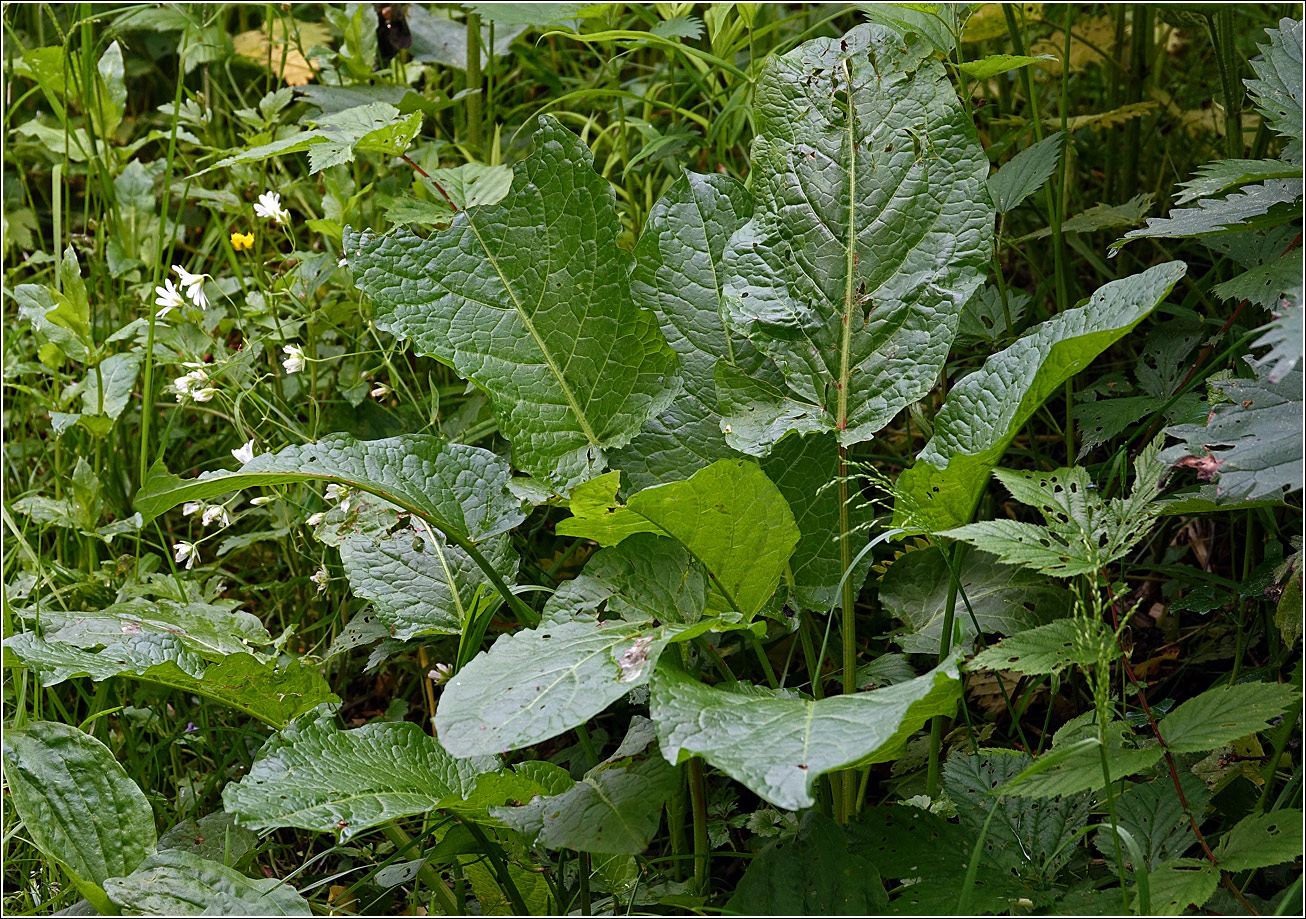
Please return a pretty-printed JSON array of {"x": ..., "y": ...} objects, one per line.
[
  {"x": 1266, "y": 285},
  {"x": 1225, "y": 714},
  {"x": 530, "y": 300},
  {"x": 274, "y": 695},
  {"x": 76, "y": 803},
  {"x": 107, "y": 388},
  {"x": 1249, "y": 206},
  {"x": 1277, "y": 90},
  {"x": 1002, "y": 599},
  {"x": 985, "y": 320},
  {"x": 1025, "y": 173},
  {"x": 461, "y": 490},
  {"x": 937, "y": 23},
  {"x": 1251, "y": 445},
  {"x": 537, "y": 683},
  {"x": 777, "y": 746},
  {"x": 1222, "y": 175},
  {"x": 813, "y": 874},
  {"x": 871, "y": 228},
  {"x": 419, "y": 582},
  {"x": 214, "y": 836},
  {"x": 1032, "y": 836},
  {"x": 806, "y": 470},
  {"x": 643, "y": 578},
  {"x": 729, "y": 516},
  {"x": 986, "y": 409},
  {"x": 1049, "y": 648},
  {"x": 678, "y": 276},
  {"x": 315, "y": 776},
  {"x": 1152, "y": 814},
  {"x": 208, "y": 630},
  {"x": 615, "y": 808},
  {"x": 174, "y": 883},
  {"x": 1261, "y": 840},
  {"x": 1181, "y": 885},
  {"x": 988, "y": 67},
  {"x": 930, "y": 856}
]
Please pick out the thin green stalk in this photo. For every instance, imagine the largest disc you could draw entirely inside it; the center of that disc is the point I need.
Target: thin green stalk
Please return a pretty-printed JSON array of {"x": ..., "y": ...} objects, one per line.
[
  {"x": 429, "y": 875},
  {"x": 1231, "y": 88},
  {"x": 945, "y": 646},
  {"x": 494, "y": 853},
  {"x": 702, "y": 845},
  {"x": 474, "y": 82}
]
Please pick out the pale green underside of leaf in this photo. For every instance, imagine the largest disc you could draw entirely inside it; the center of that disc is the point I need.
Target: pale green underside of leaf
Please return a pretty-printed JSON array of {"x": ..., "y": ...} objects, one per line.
[
  {"x": 777, "y": 747},
  {"x": 1003, "y": 599},
  {"x": 1222, "y": 175},
  {"x": 1025, "y": 173},
  {"x": 261, "y": 690},
  {"x": 615, "y": 808},
  {"x": 1255, "y": 439},
  {"x": 678, "y": 277},
  {"x": 76, "y": 802},
  {"x": 316, "y": 777},
  {"x": 174, "y": 883},
  {"x": 530, "y": 300},
  {"x": 985, "y": 410},
  {"x": 1285, "y": 335},
  {"x": 729, "y": 516},
  {"x": 871, "y": 218},
  {"x": 1247, "y": 206},
  {"x": 1277, "y": 90}
]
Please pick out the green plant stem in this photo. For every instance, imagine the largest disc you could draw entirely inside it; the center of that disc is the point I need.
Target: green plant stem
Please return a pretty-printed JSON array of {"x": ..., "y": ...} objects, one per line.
[
  {"x": 495, "y": 854},
  {"x": 945, "y": 647},
  {"x": 847, "y": 801},
  {"x": 1111, "y": 799},
  {"x": 474, "y": 82},
  {"x": 429, "y": 875},
  {"x": 698, "y": 801},
  {"x": 1231, "y": 88}
]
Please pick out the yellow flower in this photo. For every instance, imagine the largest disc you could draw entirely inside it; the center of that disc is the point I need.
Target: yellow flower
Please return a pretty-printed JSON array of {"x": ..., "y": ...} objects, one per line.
[{"x": 242, "y": 241}]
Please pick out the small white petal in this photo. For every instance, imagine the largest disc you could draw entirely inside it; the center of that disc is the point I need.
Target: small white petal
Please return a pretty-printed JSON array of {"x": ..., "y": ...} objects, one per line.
[
  {"x": 191, "y": 507},
  {"x": 262, "y": 500},
  {"x": 204, "y": 395},
  {"x": 245, "y": 453},
  {"x": 215, "y": 514},
  {"x": 315, "y": 519}
]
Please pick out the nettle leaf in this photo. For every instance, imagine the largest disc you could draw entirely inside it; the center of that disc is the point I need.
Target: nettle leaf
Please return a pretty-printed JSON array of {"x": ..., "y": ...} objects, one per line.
[
  {"x": 1261, "y": 840},
  {"x": 1277, "y": 90},
  {"x": 931, "y": 857},
  {"x": 456, "y": 487},
  {"x": 1101, "y": 217},
  {"x": 1285, "y": 335},
  {"x": 1152, "y": 813},
  {"x": 530, "y": 300},
  {"x": 1074, "y": 764},
  {"x": 1082, "y": 532},
  {"x": 537, "y": 683},
  {"x": 1266, "y": 285},
  {"x": 1049, "y": 648},
  {"x": 777, "y": 746},
  {"x": 806, "y": 470},
  {"x": 871, "y": 228},
  {"x": 730, "y": 517},
  {"x": 77, "y": 804},
  {"x": 175, "y": 883},
  {"x": 813, "y": 874},
  {"x": 1249, "y": 206},
  {"x": 1250, "y": 445},
  {"x": 1026, "y": 172},
  {"x": 1180, "y": 885},
  {"x": 1225, "y": 714},
  {"x": 1031, "y": 836},
  {"x": 678, "y": 276},
  {"x": 985, "y": 410},
  {"x": 1002, "y": 599},
  {"x": 315, "y": 776},
  {"x": 1220, "y": 176},
  {"x": 614, "y": 809}
]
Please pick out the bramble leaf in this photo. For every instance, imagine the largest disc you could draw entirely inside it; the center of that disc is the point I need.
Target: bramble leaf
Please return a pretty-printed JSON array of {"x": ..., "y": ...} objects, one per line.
[
  {"x": 1224, "y": 714},
  {"x": 1261, "y": 840}
]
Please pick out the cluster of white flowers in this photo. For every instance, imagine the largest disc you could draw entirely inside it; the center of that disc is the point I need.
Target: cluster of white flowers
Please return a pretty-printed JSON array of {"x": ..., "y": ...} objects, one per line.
[
  {"x": 320, "y": 578},
  {"x": 269, "y": 206},
  {"x": 194, "y": 385},
  {"x": 169, "y": 297},
  {"x": 209, "y": 513}
]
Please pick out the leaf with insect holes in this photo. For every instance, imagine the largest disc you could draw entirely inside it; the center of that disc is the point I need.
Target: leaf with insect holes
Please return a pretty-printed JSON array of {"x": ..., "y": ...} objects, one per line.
[
  {"x": 1224, "y": 714},
  {"x": 529, "y": 299},
  {"x": 1152, "y": 813},
  {"x": 871, "y": 228},
  {"x": 1261, "y": 840},
  {"x": 777, "y": 745},
  {"x": 615, "y": 808},
  {"x": 986, "y": 409}
]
